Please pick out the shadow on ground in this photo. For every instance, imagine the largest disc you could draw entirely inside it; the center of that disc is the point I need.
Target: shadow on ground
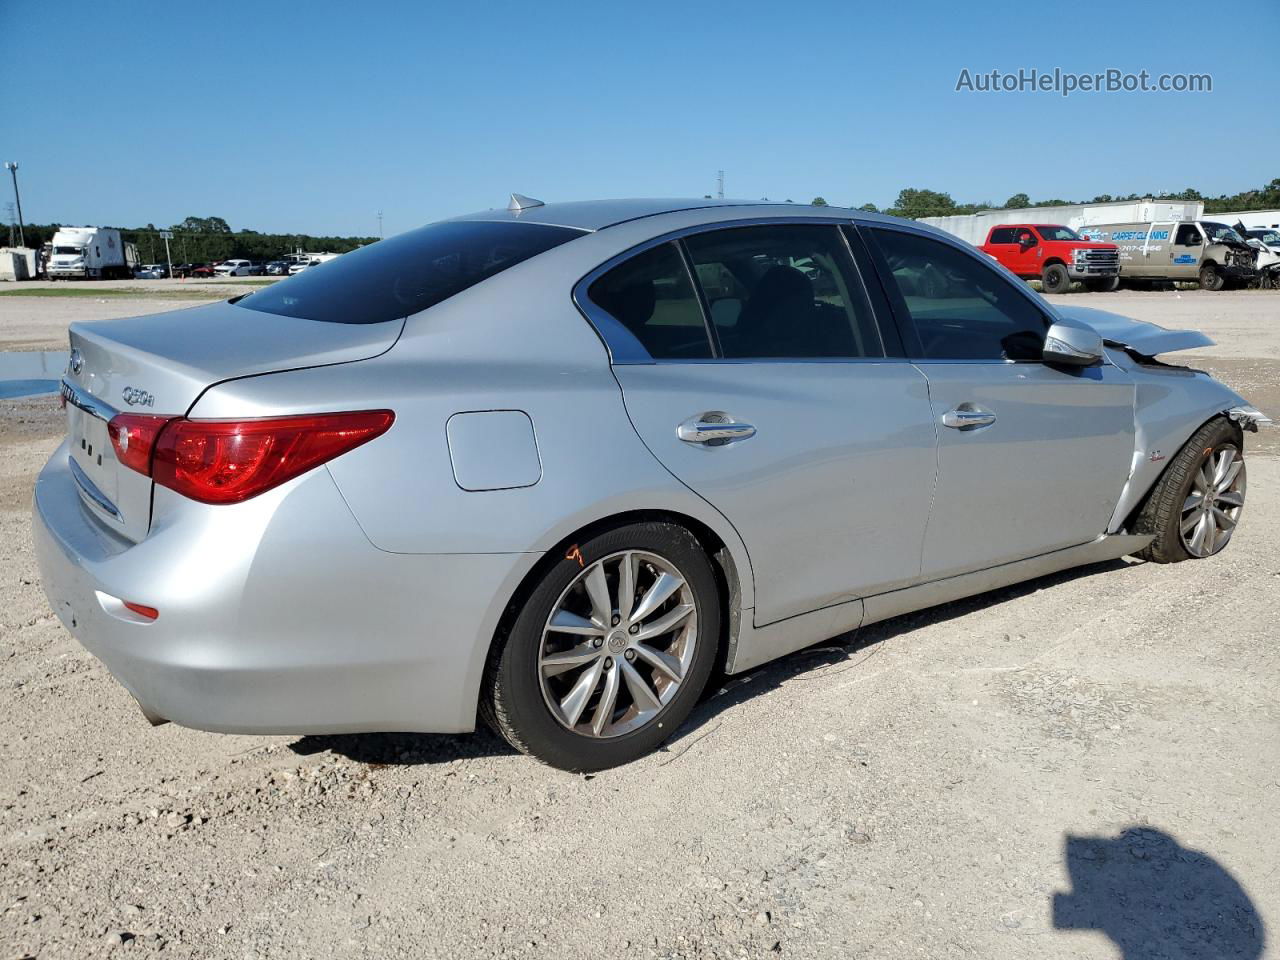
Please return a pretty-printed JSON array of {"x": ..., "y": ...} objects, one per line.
[
  {"x": 1156, "y": 899},
  {"x": 722, "y": 694}
]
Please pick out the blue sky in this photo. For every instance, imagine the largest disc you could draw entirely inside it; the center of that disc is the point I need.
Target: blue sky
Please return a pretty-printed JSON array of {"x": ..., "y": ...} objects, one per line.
[{"x": 313, "y": 116}]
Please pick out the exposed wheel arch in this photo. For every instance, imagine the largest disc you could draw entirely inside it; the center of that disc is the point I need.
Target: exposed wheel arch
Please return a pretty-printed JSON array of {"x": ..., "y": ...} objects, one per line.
[
  {"x": 1138, "y": 507},
  {"x": 728, "y": 576}
]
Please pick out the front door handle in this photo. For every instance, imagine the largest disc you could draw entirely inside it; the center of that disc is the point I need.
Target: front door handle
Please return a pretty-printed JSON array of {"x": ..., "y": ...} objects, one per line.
[
  {"x": 962, "y": 419},
  {"x": 717, "y": 432}
]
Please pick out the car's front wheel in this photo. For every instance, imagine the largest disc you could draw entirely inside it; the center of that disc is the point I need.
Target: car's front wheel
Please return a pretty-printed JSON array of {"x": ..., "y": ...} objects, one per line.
[
  {"x": 1055, "y": 279},
  {"x": 1196, "y": 505},
  {"x": 611, "y": 650}
]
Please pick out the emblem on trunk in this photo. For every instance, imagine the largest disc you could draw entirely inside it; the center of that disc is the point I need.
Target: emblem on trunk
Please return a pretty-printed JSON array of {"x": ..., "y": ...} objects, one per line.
[
  {"x": 76, "y": 363},
  {"x": 136, "y": 397}
]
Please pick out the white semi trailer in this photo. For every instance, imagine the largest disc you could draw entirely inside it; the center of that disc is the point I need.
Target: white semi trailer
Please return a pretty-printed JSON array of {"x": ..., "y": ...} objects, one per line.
[{"x": 91, "y": 253}]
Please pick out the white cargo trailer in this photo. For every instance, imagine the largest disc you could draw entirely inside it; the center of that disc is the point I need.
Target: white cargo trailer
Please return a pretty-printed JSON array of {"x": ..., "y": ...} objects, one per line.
[{"x": 91, "y": 253}]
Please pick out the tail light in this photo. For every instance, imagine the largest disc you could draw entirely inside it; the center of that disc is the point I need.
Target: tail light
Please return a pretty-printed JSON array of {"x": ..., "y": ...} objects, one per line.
[
  {"x": 228, "y": 461},
  {"x": 134, "y": 435}
]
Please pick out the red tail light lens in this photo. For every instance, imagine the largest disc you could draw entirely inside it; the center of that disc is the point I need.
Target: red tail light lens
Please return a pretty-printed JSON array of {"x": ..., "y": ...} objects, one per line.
[
  {"x": 134, "y": 436},
  {"x": 227, "y": 461}
]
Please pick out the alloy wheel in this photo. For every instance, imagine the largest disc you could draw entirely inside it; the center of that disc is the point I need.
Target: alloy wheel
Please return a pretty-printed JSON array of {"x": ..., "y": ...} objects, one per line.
[
  {"x": 1213, "y": 506},
  {"x": 618, "y": 644}
]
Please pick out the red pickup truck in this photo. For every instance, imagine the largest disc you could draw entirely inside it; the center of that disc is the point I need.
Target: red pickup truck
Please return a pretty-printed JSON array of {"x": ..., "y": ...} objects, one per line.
[{"x": 1055, "y": 255}]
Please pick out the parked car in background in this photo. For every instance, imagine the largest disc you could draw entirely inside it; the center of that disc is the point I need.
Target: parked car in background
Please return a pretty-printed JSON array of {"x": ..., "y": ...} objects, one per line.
[
  {"x": 1055, "y": 255},
  {"x": 233, "y": 268},
  {"x": 298, "y": 266},
  {"x": 151, "y": 271},
  {"x": 370, "y": 498},
  {"x": 1266, "y": 240},
  {"x": 277, "y": 268},
  {"x": 257, "y": 269},
  {"x": 1203, "y": 251},
  {"x": 201, "y": 270}
]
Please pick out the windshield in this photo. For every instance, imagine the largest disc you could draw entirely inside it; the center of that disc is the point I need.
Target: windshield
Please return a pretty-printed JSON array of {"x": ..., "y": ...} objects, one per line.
[
  {"x": 1220, "y": 231},
  {"x": 73, "y": 251},
  {"x": 393, "y": 278},
  {"x": 1058, "y": 233},
  {"x": 1270, "y": 237}
]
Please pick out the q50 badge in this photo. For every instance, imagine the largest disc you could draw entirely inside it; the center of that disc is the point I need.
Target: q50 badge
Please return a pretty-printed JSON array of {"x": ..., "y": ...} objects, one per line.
[{"x": 136, "y": 397}]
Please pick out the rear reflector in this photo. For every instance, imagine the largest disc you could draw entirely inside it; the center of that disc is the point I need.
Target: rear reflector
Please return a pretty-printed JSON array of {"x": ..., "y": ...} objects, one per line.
[
  {"x": 228, "y": 461},
  {"x": 150, "y": 613}
]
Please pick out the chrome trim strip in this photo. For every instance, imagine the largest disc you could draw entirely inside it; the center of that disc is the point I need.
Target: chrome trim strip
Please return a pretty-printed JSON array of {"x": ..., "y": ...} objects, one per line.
[
  {"x": 90, "y": 490},
  {"x": 87, "y": 402}
]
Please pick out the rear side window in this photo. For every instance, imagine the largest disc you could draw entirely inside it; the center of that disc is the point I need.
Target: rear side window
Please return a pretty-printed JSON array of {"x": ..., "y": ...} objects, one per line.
[
  {"x": 785, "y": 291},
  {"x": 651, "y": 296},
  {"x": 400, "y": 276},
  {"x": 961, "y": 308}
]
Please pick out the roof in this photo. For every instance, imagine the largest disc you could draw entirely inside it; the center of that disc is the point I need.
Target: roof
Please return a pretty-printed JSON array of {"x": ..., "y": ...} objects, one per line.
[{"x": 598, "y": 214}]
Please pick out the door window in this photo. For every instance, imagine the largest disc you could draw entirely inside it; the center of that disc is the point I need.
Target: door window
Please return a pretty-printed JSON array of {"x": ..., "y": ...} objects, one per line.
[
  {"x": 651, "y": 296},
  {"x": 961, "y": 308},
  {"x": 1188, "y": 236},
  {"x": 1003, "y": 235},
  {"x": 783, "y": 291}
]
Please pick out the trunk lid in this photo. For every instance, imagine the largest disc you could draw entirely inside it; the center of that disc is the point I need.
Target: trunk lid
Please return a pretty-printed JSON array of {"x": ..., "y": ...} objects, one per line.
[{"x": 159, "y": 365}]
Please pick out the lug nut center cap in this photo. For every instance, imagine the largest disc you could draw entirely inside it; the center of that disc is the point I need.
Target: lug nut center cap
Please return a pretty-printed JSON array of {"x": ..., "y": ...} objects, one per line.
[{"x": 617, "y": 641}]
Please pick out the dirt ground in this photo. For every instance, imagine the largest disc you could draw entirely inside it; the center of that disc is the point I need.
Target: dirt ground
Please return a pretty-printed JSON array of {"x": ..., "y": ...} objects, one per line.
[{"x": 1084, "y": 766}]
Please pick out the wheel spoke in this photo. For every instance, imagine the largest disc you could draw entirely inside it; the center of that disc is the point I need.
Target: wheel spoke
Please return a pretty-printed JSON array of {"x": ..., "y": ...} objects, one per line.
[
  {"x": 598, "y": 590},
  {"x": 1210, "y": 533},
  {"x": 1200, "y": 480},
  {"x": 566, "y": 622},
  {"x": 554, "y": 664},
  {"x": 1190, "y": 522},
  {"x": 1229, "y": 475},
  {"x": 575, "y": 702},
  {"x": 1193, "y": 501},
  {"x": 665, "y": 623},
  {"x": 663, "y": 662},
  {"x": 1224, "y": 522},
  {"x": 657, "y": 595},
  {"x": 608, "y": 698},
  {"x": 626, "y": 586},
  {"x": 641, "y": 693},
  {"x": 1197, "y": 537},
  {"x": 1232, "y": 498}
]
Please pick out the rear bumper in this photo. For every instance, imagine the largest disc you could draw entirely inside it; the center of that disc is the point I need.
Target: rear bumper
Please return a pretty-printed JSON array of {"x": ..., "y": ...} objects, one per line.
[{"x": 278, "y": 618}]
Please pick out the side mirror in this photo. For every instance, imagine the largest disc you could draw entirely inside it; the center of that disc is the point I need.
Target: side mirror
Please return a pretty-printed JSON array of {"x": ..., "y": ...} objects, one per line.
[{"x": 1072, "y": 346}]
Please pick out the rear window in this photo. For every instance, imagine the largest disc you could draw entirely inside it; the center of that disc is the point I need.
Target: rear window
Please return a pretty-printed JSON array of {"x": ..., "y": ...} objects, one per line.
[{"x": 397, "y": 277}]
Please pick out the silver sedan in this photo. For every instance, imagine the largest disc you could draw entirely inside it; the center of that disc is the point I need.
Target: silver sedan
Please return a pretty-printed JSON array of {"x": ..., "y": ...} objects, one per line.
[{"x": 555, "y": 465}]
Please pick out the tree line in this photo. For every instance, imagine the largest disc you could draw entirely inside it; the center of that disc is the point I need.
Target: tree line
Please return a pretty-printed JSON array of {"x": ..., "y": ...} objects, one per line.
[
  {"x": 207, "y": 239},
  {"x": 915, "y": 203}
]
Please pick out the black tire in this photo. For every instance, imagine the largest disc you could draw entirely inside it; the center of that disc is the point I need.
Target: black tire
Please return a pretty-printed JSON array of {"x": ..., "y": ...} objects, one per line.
[
  {"x": 512, "y": 700},
  {"x": 1055, "y": 279},
  {"x": 1102, "y": 286},
  {"x": 1211, "y": 279},
  {"x": 1162, "y": 512}
]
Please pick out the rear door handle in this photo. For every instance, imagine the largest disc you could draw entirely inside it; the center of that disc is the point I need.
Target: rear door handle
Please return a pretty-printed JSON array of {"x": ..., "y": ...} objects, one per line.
[
  {"x": 961, "y": 419},
  {"x": 697, "y": 430}
]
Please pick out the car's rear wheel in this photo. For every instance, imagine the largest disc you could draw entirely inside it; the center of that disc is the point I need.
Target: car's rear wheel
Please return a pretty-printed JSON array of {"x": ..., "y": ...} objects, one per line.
[
  {"x": 1055, "y": 279},
  {"x": 610, "y": 651},
  {"x": 1196, "y": 506}
]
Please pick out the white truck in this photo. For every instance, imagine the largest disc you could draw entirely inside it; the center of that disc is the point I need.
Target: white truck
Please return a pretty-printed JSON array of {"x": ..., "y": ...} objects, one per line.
[{"x": 91, "y": 253}]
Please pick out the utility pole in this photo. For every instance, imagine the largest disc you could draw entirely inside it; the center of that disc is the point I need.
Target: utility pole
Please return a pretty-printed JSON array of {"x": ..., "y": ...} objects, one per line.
[
  {"x": 8, "y": 210},
  {"x": 379, "y": 224},
  {"x": 166, "y": 236},
  {"x": 720, "y": 184},
  {"x": 12, "y": 167}
]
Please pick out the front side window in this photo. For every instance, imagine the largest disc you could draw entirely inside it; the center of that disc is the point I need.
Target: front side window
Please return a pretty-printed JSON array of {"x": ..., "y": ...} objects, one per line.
[
  {"x": 961, "y": 308},
  {"x": 1058, "y": 233},
  {"x": 783, "y": 291},
  {"x": 393, "y": 278},
  {"x": 1188, "y": 236},
  {"x": 651, "y": 296}
]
